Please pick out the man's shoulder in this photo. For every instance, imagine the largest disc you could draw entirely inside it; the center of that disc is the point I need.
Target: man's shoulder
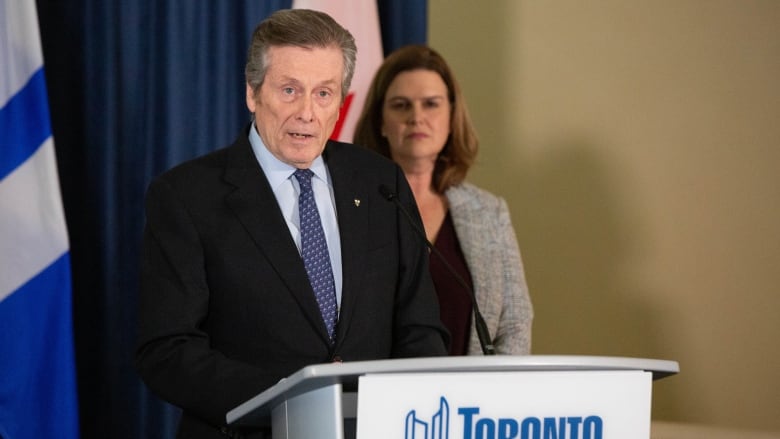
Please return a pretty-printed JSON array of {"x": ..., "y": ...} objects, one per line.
[
  {"x": 355, "y": 156},
  {"x": 213, "y": 161}
]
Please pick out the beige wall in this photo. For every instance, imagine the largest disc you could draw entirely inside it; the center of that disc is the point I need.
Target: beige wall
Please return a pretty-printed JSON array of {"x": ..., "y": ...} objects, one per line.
[{"x": 638, "y": 145}]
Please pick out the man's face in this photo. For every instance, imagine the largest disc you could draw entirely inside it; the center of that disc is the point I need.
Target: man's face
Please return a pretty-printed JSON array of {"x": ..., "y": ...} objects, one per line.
[{"x": 297, "y": 106}]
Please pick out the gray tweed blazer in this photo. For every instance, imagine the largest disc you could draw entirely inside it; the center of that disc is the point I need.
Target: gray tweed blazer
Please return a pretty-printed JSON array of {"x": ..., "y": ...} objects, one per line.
[{"x": 489, "y": 245}]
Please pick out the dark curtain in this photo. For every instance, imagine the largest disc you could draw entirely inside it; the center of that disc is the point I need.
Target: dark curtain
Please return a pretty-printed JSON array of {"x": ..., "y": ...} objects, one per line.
[{"x": 136, "y": 87}]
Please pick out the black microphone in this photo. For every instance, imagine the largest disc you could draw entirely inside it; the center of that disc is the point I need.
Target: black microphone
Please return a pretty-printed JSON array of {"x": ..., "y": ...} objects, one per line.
[{"x": 482, "y": 331}]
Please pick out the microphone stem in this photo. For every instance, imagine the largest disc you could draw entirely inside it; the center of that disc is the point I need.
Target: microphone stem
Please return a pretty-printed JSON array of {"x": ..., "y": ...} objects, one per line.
[
  {"x": 482, "y": 332},
  {"x": 479, "y": 322}
]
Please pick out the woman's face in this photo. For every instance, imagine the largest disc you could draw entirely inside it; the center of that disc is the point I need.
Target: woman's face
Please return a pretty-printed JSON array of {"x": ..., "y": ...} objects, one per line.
[{"x": 416, "y": 115}]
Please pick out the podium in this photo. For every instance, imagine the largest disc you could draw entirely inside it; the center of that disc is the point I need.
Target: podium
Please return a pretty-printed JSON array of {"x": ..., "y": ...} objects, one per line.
[{"x": 502, "y": 397}]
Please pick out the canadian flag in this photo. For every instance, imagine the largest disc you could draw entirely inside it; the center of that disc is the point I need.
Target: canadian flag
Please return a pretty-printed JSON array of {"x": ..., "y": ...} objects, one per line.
[{"x": 361, "y": 19}]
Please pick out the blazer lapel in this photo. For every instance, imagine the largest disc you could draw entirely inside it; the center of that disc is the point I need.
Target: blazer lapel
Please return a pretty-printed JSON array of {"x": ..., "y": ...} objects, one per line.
[
  {"x": 469, "y": 230},
  {"x": 255, "y": 206}
]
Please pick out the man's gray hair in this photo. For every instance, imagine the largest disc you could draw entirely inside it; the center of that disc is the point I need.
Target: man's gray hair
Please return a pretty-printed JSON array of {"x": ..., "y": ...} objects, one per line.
[{"x": 300, "y": 28}]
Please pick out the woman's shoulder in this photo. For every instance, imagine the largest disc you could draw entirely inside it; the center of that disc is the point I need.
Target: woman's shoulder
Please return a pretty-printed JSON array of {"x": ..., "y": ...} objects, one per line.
[{"x": 468, "y": 195}]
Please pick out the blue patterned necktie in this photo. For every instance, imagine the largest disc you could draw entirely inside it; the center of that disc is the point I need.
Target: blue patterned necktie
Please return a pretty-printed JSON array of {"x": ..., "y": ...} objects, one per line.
[{"x": 314, "y": 250}]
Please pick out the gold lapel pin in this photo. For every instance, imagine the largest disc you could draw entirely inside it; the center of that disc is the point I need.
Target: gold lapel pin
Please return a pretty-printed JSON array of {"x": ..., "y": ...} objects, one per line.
[{"x": 357, "y": 202}]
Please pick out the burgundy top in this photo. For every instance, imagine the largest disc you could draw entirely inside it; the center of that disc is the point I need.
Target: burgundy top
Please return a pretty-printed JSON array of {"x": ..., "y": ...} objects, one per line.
[{"x": 454, "y": 301}]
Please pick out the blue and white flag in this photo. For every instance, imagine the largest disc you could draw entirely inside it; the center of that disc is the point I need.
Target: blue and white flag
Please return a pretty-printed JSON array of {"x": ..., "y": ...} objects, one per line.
[{"x": 37, "y": 364}]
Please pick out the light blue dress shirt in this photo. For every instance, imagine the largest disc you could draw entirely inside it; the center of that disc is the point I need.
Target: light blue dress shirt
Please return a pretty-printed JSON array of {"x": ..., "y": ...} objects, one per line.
[{"x": 286, "y": 189}]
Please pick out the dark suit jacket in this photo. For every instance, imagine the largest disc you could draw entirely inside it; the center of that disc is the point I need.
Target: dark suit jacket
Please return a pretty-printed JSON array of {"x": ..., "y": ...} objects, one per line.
[{"x": 226, "y": 309}]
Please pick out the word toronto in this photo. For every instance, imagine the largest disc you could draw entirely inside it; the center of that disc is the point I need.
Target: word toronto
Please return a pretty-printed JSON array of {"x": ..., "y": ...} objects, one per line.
[{"x": 567, "y": 427}]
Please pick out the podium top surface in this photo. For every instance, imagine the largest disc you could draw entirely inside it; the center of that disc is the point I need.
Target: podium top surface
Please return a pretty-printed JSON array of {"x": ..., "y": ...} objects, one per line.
[
  {"x": 319, "y": 375},
  {"x": 495, "y": 363}
]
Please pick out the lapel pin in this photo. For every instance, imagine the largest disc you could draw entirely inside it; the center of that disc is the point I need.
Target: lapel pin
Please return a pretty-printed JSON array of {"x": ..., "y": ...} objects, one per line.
[{"x": 357, "y": 202}]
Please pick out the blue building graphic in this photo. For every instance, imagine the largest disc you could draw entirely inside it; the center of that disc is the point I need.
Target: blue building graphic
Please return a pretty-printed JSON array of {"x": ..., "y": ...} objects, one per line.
[{"x": 438, "y": 428}]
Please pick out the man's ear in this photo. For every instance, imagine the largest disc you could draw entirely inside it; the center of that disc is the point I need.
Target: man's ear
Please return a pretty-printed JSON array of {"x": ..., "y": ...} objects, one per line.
[{"x": 250, "y": 98}]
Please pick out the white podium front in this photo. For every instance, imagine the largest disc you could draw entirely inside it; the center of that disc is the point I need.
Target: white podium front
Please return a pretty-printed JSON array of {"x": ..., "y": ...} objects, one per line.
[{"x": 469, "y": 397}]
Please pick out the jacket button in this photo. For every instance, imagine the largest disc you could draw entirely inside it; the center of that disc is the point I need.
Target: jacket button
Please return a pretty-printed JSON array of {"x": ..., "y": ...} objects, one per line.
[
  {"x": 228, "y": 432},
  {"x": 336, "y": 359}
]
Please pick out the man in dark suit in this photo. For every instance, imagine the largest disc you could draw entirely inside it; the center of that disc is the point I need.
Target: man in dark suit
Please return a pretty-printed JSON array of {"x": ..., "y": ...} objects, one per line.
[{"x": 230, "y": 299}]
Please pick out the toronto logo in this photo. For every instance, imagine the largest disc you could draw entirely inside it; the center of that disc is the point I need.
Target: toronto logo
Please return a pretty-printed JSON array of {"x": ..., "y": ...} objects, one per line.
[
  {"x": 437, "y": 428},
  {"x": 476, "y": 426}
]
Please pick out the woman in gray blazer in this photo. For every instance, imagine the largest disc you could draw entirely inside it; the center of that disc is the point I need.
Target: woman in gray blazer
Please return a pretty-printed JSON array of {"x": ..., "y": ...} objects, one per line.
[{"x": 415, "y": 114}]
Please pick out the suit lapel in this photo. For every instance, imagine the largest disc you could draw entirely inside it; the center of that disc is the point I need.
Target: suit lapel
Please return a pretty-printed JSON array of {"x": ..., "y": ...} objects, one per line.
[
  {"x": 352, "y": 207},
  {"x": 254, "y": 203}
]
